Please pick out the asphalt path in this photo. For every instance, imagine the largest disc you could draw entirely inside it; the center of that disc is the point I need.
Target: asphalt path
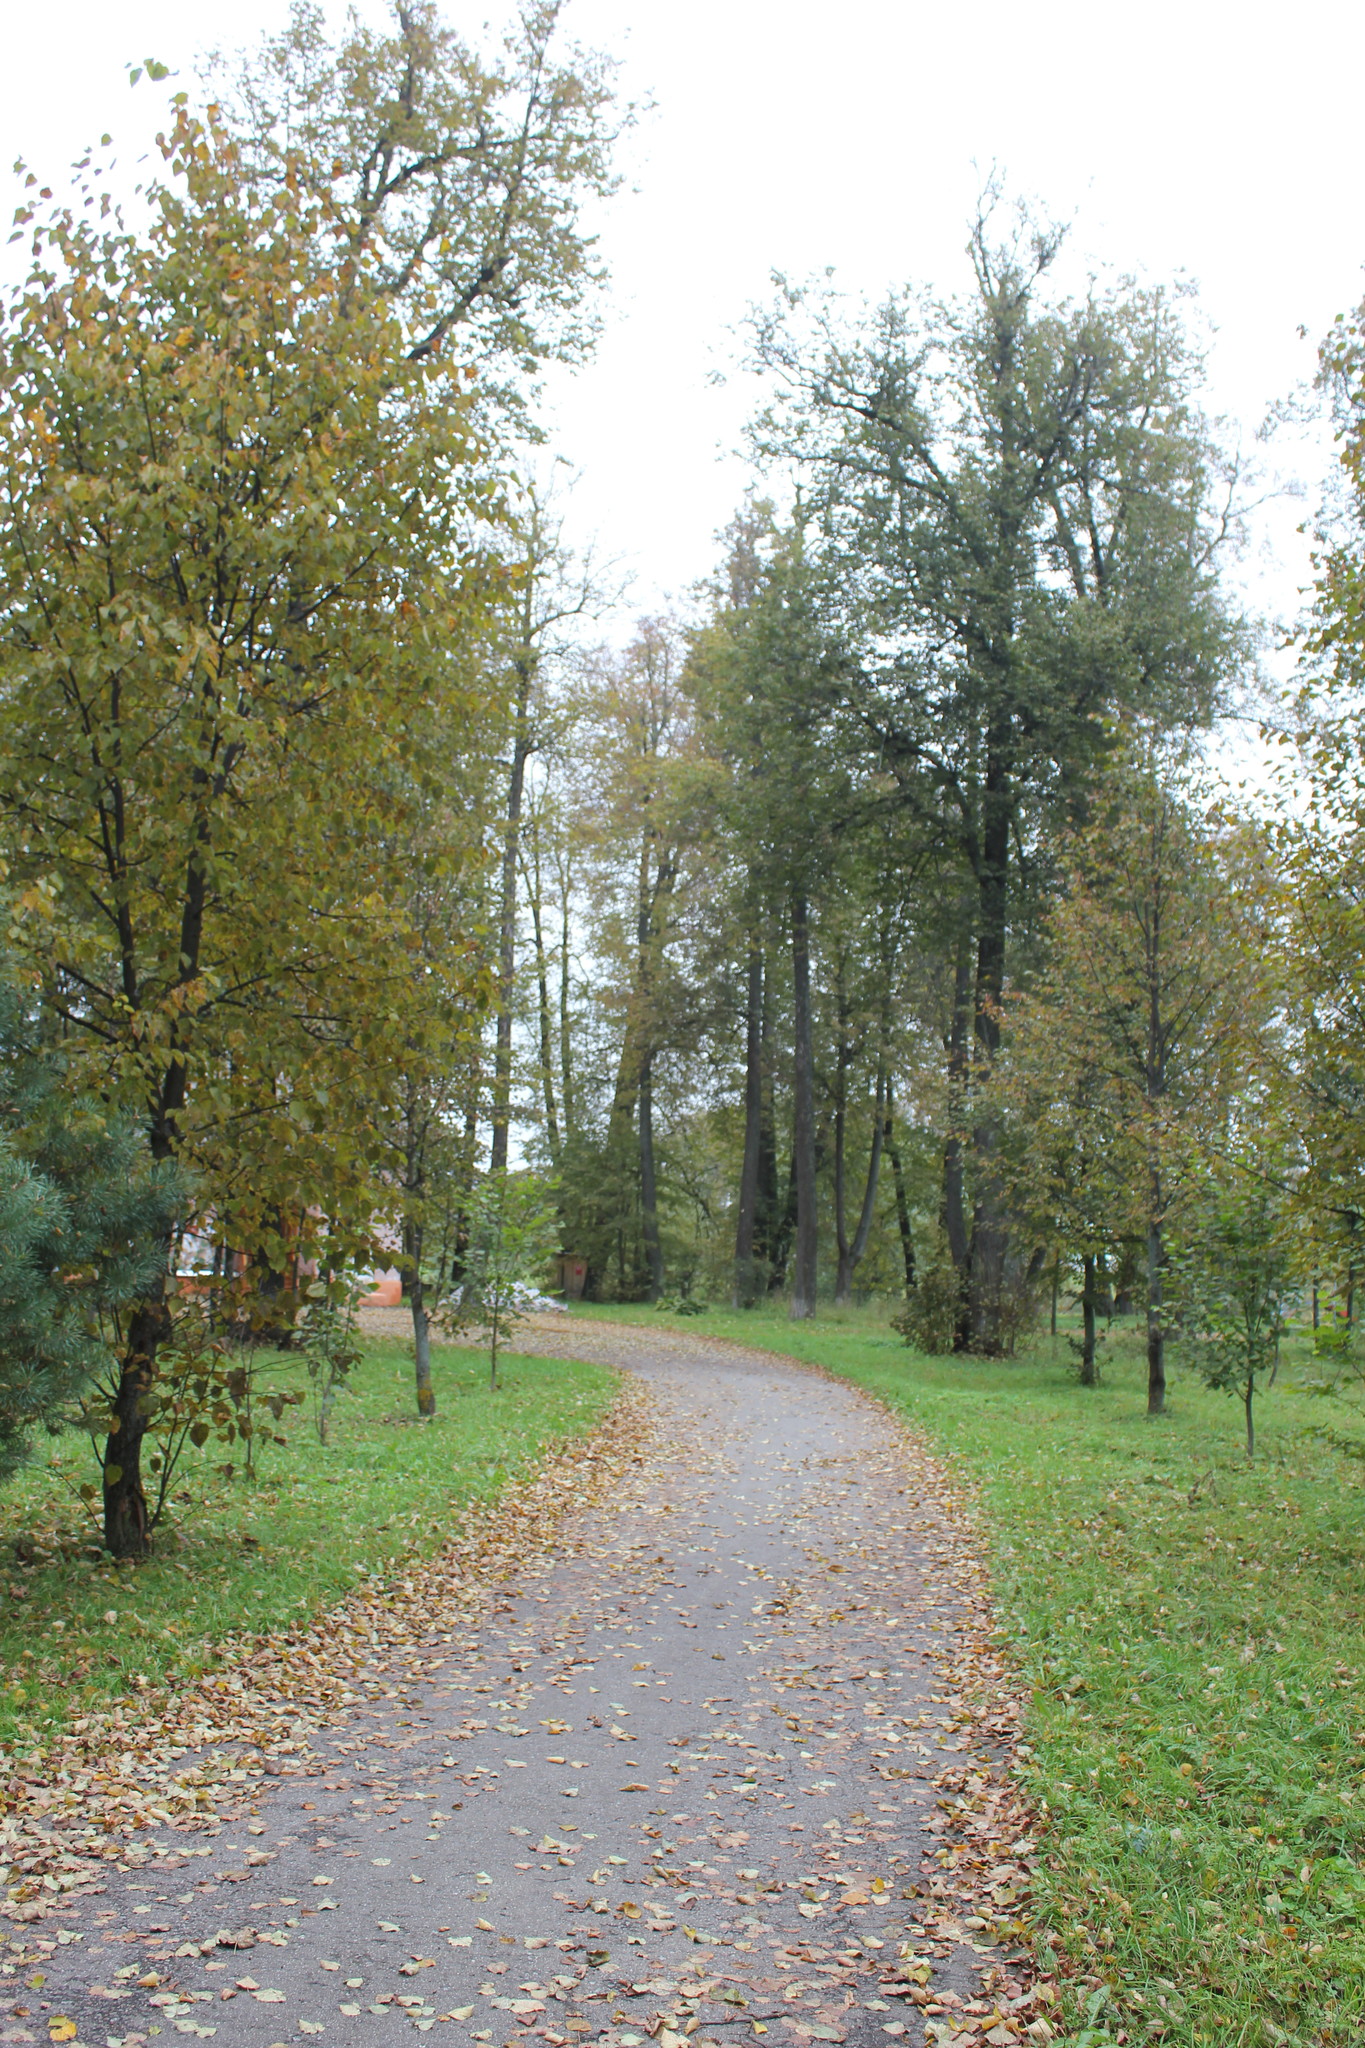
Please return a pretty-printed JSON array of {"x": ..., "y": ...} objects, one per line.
[{"x": 678, "y": 1787}]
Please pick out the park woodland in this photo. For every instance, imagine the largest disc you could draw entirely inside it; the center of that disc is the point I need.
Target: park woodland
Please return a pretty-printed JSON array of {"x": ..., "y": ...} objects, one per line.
[{"x": 930, "y": 948}]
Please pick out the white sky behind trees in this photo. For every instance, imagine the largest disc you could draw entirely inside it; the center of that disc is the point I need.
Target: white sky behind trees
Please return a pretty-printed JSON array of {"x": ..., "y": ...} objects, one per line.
[{"x": 1183, "y": 137}]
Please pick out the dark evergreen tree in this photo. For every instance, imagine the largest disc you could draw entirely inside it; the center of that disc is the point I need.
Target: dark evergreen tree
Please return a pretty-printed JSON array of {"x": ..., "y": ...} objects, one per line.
[{"x": 84, "y": 1220}]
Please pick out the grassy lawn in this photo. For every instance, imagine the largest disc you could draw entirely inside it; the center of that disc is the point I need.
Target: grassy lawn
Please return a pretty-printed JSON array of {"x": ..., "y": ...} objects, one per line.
[
  {"x": 1194, "y": 1630},
  {"x": 261, "y": 1554}
]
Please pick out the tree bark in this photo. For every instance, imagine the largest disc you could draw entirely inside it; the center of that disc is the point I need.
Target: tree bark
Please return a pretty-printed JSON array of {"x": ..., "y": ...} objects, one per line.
[
  {"x": 507, "y": 916},
  {"x": 127, "y": 1525},
  {"x": 990, "y": 1234},
  {"x": 1154, "y": 1080},
  {"x": 1156, "y": 1328},
  {"x": 769, "y": 1222},
  {"x": 649, "y": 1190},
  {"x": 421, "y": 1350},
  {"x": 567, "y": 1100},
  {"x": 959, "y": 1028},
  {"x": 806, "y": 1251},
  {"x": 547, "y": 1074},
  {"x": 1089, "y": 1376},
  {"x": 784, "y": 1227},
  {"x": 843, "y": 1271},
  {"x": 746, "y": 1279},
  {"x": 413, "y": 1287},
  {"x": 902, "y": 1205},
  {"x": 851, "y": 1255}
]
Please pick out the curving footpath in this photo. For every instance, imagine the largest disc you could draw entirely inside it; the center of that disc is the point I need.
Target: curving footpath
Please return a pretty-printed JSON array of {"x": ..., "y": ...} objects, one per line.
[{"x": 682, "y": 1782}]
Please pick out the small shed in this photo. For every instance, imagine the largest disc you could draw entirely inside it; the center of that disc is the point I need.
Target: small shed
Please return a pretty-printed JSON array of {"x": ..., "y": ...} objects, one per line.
[{"x": 573, "y": 1276}]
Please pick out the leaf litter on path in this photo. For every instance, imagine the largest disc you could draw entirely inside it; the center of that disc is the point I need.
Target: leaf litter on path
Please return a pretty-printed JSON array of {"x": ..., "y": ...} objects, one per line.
[{"x": 821, "y": 1700}]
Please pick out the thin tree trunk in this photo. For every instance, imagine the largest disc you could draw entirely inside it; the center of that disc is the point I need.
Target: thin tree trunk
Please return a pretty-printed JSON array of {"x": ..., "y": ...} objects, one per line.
[
  {"x": 413, "y": 1237},
  {"x": 769, "y": 1238},
  {"x": 566, "y": 1076},
  {"x": 804, "y": 1262},
  {"x": 127, "y": 1525},
  {"x": 547, "y": 1075},
  {"x": 1155, "y": 1090},
  {"x": 127, "y": 1522},
  {"x": 851, "y": 1258},
  {"x": 417, "y": 1128},
  {"x": 649, "y": 1191},
  {"x": 1056, "y": 1290},
  {"x": 507, "y": 917},
  {"x": 1156, "y": 1329},
  {"x": 1089, "y": 1376},
  {"x": 843, "y": 1269},
  {"x": 746, "y": 1279},
  {"x": 989, "y": 1247},
  {"x": 959, "y": 1029},
  {"x": 421, "y": 1349},
  {"x": 1248, "y": 1396},
  {"x": 902, "y": 1205}
]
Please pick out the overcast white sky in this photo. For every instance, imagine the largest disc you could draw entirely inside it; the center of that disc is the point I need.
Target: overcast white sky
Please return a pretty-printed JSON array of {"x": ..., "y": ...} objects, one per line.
[{"x": 1202, "y": 138}]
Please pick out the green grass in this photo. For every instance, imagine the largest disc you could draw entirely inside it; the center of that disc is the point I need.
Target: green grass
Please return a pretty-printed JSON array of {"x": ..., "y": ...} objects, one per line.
[
  {"x": 1194, "y": 1635},
  {"x": 263, "y": 1554}
]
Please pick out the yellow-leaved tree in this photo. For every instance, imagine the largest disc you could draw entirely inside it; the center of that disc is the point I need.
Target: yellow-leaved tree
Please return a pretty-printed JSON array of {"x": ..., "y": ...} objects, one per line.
[{"x": 243, "y": 578}]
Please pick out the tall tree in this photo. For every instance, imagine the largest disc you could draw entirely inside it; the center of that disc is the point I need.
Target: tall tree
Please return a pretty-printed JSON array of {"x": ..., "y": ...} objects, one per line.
[
  {"x": 239, "y": 542},
  {"x": 455, "y": 180},
  {"x": 552, "y": 589},
  {"x": 1142, "y": 1009},
  {"x": 1020, "y": 504},
  {"x": 1312, "y": 885},
  {"x": 768, "y": 670},
  {"x": 642, "y": 819}
]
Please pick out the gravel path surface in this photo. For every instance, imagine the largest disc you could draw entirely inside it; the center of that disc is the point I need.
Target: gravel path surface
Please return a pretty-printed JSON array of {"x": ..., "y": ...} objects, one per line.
[{"x": 678, "y": 1786}]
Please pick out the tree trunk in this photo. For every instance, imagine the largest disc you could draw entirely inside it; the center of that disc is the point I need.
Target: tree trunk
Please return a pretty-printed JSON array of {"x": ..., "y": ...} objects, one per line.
[
  {"x": 990, "y": 1236},
  {"x": 1248, "y": 1396},
  {"x": 127, "y": 1525},
  {"x": 843, "y": 1266},
  {"x": 784, "y": 1228},
  {"x": 1156, "y": 1330},
  {"x": 769, "y": 1220},
  {"x": 413, "y": 1287},
  {"x": 902, "y": 1205},
  {"x": 746, "y": 1281},
  {"x": 954, "y": 1193},
  {"x": 507, "y": 917},
  {"x": 851, "y": 1256},
  {"x": 649, "y": 1192},
  {"x": 547, "y": 1074},
  {"x": 1089, "y": 1376},
  {"x": 804, "y": 1261},
  {"x": 421, "y": 1349},
  {"x": 566, "y": 1075}
]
